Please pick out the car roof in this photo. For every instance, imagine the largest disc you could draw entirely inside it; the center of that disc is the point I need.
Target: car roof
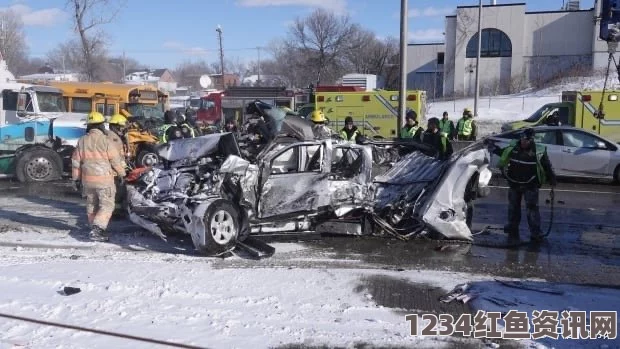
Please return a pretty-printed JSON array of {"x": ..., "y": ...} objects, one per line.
[{"x": 552, "y": 128}]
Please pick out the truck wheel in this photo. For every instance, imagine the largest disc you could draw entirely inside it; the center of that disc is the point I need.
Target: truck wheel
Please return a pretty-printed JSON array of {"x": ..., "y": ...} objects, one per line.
[
  {"x": 38, "y": 165},
  {"x": 221, "y": 227},
  {"x": 146, "y": 158}
]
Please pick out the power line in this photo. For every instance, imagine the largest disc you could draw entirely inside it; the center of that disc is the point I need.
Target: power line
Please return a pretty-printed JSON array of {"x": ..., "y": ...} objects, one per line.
[{"x": 107, "y": 333}]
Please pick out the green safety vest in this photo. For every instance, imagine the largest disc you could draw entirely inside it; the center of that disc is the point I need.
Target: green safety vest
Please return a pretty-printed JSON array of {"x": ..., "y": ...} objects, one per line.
[
  {"x": 162, "y": 132},
  {"x": 465, "y": 127},
  {"x": 344, "y": 135},
  {"x": 404, "y": 133},
  {"x": 444, "y": 127},
  {"x": 540, "y": 152}
]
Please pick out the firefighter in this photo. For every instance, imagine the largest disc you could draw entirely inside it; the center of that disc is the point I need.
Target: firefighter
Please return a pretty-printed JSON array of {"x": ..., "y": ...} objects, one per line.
[
  {"x": 169, "y": 130},
  {"x": 466, "y": 127},
  {"x": 411, "y": 129},
  {"x": 117, "y": 134},
  {"x": 554, "y": 119},
  {"x": 526, "y": 167},
  {"x": 186, "y": 129},
  {"x": 350, "y": 132},
  {"x": 320, "y": 129},
  {"x": 94, "y": 163},
  {"x": 437, "y": 140},
  {"x": 446, "y": 126}
]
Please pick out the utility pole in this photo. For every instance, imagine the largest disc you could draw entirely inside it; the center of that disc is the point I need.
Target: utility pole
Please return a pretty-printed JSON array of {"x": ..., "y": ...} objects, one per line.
[
  {"x": 477, "y": 95},
  {"x": 219, "y": 34},
  {"x": 124, "y": 71},
  {"x": 402, "y": 106},
  {"x": 258, "y": 79}
]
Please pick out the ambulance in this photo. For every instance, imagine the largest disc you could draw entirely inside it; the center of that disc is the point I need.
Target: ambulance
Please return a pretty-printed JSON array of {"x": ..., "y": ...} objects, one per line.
[
  {"x": 375, "y": 113},
  {"x": 580, "y": 109}
]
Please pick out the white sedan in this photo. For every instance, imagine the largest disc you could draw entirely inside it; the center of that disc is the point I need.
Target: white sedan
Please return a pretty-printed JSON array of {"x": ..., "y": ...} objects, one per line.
[{"x": 573, "y": 152}]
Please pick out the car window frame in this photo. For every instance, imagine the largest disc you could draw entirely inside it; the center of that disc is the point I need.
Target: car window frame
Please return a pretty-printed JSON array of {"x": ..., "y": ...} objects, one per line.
[
  {"x": 609, "y": 147},
  {"x": 557, "y": 136},
  {"x": 297, "y": 151}
]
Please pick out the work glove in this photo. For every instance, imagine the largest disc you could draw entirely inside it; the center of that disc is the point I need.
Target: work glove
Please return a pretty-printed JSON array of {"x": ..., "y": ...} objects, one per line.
[{"x": 77, "y": 185}]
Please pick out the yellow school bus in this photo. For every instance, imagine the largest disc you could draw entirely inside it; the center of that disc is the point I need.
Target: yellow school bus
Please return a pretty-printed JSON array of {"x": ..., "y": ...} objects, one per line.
[
  {"x": 142, "y": 102},
  {"x": 109, "y": 98}
]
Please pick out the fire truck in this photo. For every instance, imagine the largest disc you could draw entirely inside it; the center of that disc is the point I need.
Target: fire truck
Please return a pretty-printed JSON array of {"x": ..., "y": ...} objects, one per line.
[{"x": 219, "y": 106}]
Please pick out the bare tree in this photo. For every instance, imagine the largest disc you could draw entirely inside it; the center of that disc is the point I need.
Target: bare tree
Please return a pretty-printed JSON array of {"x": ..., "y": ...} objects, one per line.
[
  {"x": 188, "y": 73},
  {"x": 322, "y": 38},
  {"x": 88, "y": 15},
  {"x": 12, "y": 40},
  {"x": 67, "y": 57}
]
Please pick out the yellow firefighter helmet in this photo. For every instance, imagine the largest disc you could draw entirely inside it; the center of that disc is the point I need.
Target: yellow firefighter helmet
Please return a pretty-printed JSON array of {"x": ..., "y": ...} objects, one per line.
[
  {"x": 118, "y": 119},
  {"x": 95, "y": 118},
  {"x": 467, "y": 111},
  {"x": 317, "y": 116}
]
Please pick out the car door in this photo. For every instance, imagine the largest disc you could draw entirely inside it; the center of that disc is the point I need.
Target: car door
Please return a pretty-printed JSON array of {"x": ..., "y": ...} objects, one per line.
[
  {"x": 584, "y": 154},
  {"x": 550, "y": 138},
  {"x": 295, "y": 181}
]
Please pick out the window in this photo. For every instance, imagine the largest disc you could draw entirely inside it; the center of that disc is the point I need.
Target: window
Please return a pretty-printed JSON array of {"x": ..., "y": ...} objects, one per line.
[
  {"x": 111, "y": 109},
  {"x": 81, "y": 105},
  {"x": 346, "y": 163},
  {"x": 9, "y": 100},
  {"x": 579, "y": 140},
  {"x": 303, "y": 158},
  {"x": 440, "y": 57},
  {"x": 563, "y": 111},
  {"x": 546, "y": 137},
  {"x": 494, "y": 43}
]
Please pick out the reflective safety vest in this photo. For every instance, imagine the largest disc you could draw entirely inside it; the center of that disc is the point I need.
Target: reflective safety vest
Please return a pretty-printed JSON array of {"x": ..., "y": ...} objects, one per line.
[
  {"x": 346, "y": 137},
  {"x": 465, "y": 127},
  {"x": 445, "y": 127},
  {"x": 540, "y": 152},
  {"x": 162, "y": 132},
  {"x": 409, "y": 133}
]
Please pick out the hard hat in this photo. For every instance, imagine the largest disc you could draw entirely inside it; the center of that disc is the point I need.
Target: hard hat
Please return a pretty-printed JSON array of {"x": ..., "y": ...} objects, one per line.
[
  {"x": 118, "y": 119},
  {"x": 466, "y": 111},
  {"x": 95, "y": 118},
  {"x": 317, "y": 116},
  {"x": 348, "y": 119}
]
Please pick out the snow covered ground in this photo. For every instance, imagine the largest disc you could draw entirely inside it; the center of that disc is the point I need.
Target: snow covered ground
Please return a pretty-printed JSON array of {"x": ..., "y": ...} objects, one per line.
[{"x": 495, "y": 110}]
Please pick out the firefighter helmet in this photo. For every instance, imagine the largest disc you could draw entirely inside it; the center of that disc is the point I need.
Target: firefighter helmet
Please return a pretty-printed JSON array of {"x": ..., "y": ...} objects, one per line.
[
  {"x": 317, "y": 116},
  {"x": 467, "y": 111},
  {"x": 95, "y": 118},
  {"x": 118, "y": 119}
]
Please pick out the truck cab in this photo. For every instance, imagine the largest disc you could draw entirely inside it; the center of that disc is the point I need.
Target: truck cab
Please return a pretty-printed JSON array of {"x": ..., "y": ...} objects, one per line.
[
  {"x": 539, "y": 117},
  {"x": 36, "y": 132}
]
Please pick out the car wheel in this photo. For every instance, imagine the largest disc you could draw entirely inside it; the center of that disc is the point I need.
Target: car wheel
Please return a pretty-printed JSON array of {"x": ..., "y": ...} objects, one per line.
[
  {"x": 221, "y": 227},
  {"x": 147, "y": 158},
  {"x": 38, "y": 165}
]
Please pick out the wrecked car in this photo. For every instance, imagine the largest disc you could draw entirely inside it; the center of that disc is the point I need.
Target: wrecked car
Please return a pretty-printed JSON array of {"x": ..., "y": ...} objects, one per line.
[{"x": 204, "y": 188}]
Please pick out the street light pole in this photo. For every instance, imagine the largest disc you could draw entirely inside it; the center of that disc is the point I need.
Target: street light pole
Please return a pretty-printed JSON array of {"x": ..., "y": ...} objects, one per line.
[
  {"x": 477, "y": 95},
  {"x": 219, "y": 33},
  {"x": 402, "y": 106}
]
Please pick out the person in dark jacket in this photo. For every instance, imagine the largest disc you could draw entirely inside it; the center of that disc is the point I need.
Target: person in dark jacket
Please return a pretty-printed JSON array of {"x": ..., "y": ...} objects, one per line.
[
  {"x": 526, "y": 167},
  {"x": 349, "y": 132},
  {"x": 412, "y": 129},
  {"x": 437, "y": 140}
]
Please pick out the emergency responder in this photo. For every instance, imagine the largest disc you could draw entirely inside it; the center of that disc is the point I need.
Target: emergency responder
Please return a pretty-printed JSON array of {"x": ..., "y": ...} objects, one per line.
[
  {"x": 411, "y": 129},
  {"x": 446, "y": 126},
  {"x": 118, "y": 138},
  {"x": 169, "y": 130},
  {"x": 350, "y": 132},
  {"x": 437, "y": 140},
  {"x": 526, "y": 167},
  {"x": 191, "y": 119},
  {"x": 466, "y": 127},
  {"x": 230, "y": 126},
  {"x": 554, "y": 119},
  {"x": 94, "y": 163},
  {"x": 186, "y": 129},
  {"x": 320, "y": 129}
]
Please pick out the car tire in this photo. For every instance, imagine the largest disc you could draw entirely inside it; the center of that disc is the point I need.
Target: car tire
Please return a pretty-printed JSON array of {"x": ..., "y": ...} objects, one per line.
[
  {"x": 38, "y": 165},
  {"x": 222, "y": 227},
  {"x": 147, "y": 158}
]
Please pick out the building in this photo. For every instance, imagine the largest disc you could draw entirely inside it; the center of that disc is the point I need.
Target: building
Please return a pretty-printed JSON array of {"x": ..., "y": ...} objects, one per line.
[
  {"x": 44, "y": 77},
  {"x": 229, "y": 80},
  {"x": 518, "y": 49},
  {"x": 161, "y": 78}
]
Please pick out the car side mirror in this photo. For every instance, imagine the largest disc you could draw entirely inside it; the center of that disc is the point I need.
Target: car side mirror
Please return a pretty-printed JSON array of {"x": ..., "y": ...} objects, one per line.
[{"x": 29, "y": 134}]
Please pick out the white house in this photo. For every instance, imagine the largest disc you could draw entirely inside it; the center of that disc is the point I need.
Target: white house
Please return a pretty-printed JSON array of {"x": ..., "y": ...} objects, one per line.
[
  {"x": 161, "y": 78},
  {"x": 518, "y": 48}
]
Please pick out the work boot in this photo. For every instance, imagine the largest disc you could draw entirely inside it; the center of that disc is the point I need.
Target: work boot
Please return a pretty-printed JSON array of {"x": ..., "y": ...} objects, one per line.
[
  {"x": 98, "y": 234},
  {"x": 513, "y": 234}
]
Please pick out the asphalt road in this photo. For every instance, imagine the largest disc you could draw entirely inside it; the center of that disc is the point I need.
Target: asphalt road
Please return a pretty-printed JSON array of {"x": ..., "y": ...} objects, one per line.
[{"x": 583, "y": 245}]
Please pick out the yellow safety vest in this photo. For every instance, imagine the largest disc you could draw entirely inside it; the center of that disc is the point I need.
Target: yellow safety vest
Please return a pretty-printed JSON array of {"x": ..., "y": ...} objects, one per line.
[{"x": 465, "y": 127}]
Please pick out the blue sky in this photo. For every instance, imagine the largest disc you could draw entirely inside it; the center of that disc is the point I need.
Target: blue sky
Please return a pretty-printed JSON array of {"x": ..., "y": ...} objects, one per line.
[{"x": 159, "y": 34}]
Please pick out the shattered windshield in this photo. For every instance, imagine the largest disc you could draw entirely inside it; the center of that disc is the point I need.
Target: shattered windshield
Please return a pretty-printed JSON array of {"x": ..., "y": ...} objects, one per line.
[
  {"x": 539, "y": 113},
  {"x": 50, "y": 102},
  {"x": 146, "y": 111}
]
